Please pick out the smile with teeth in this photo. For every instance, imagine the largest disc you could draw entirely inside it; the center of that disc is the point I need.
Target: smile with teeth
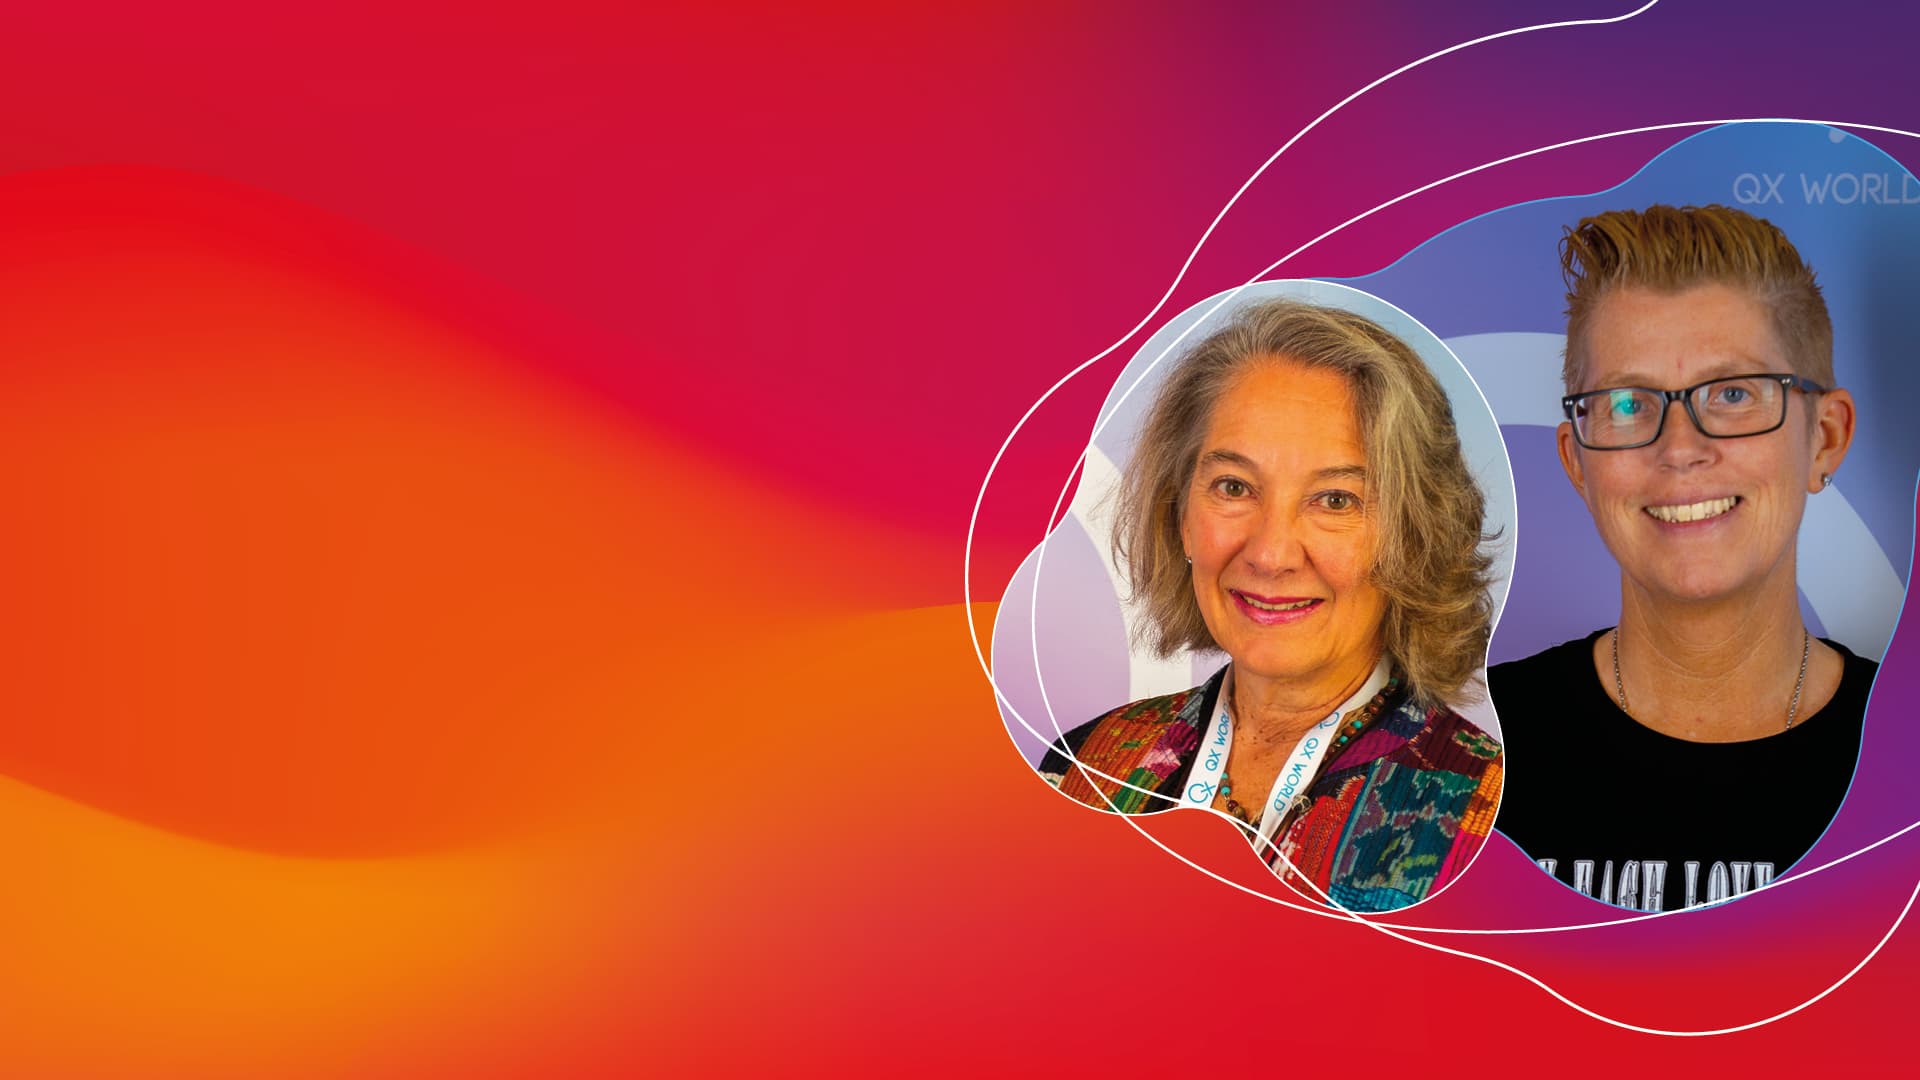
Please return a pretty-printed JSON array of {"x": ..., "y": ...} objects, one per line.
[
  {"x": 1260, "y": 605},
  {"x": 1699, "y": 511}
]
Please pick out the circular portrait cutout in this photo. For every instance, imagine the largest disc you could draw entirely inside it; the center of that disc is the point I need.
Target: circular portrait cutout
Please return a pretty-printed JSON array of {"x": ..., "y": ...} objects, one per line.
[{"x": 1270, "y": 597}]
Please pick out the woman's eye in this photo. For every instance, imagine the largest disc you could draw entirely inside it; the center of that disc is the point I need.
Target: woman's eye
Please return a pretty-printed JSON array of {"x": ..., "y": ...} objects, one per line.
[
  {"x": 1231, "y": 488},
  {"x": 1340, "y": 500},
  {"x": 1627, "y": 405}
]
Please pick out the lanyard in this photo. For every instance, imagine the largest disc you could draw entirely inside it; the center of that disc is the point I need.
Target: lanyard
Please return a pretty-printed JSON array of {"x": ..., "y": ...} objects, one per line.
[{"x": 1216, "y": 743}]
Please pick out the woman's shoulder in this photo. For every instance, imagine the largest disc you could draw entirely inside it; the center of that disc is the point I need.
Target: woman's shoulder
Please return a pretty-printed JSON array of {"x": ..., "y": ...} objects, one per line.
[
  {"x": 1856, "y": 682},
  {"x": 1424, "y": 738},
  {"x": 1856, "y": 666},
  {"x": 1569, "y": 659},
  {"x": 1157, "y": 732},
  {"x": 1150, "y": 712},
  {"x": 1445, "y": 739},
  {"x": 1136, "y": 719},
  {"x": 1410, "y": 805}
]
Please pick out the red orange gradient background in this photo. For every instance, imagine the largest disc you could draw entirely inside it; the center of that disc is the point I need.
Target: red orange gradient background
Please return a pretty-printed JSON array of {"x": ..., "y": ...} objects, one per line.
[{"x": 484, "y": 503}]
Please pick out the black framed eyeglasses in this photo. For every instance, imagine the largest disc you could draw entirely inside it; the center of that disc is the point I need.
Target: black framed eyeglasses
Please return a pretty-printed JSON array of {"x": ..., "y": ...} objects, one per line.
[{"x": 1733, "y": 407}]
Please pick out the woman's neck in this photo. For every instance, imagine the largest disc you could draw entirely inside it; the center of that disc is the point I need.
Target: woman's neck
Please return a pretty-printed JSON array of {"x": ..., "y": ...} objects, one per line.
[
  {"x": 1717, "y": 671},
  {"x": 1271, "y": 712}
]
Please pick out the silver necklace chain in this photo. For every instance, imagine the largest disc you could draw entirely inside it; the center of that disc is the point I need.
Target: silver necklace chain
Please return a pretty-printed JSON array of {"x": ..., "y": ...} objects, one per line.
[
  {"x": 1793, "y": 707},
  {"x": 1800, "y": 680}
]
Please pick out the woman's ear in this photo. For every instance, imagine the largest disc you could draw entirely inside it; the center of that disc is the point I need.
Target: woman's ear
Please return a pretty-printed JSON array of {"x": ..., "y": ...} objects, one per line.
[
  {"x": 1570, "y": 459},
  {"x": 1832, "y": 434}
]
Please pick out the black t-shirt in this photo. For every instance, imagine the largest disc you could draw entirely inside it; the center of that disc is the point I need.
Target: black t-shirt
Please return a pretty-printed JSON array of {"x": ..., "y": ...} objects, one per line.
[{"x": 1627, "y": 815}]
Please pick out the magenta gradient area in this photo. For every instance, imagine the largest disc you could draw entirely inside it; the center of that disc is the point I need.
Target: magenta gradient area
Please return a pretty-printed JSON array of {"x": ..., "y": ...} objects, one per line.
[{"x": 811, "y": 265}]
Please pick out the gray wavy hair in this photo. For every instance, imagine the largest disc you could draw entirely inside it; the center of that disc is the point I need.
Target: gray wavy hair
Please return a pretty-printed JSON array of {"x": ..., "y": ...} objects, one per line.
[{"x": 1429, "y": 510}]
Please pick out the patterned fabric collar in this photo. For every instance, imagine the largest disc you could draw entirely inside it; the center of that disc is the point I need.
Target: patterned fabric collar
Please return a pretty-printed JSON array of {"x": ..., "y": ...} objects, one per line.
[
  {"x": 1182, "y": 735},
  {"x": 1176, "y": 746}
]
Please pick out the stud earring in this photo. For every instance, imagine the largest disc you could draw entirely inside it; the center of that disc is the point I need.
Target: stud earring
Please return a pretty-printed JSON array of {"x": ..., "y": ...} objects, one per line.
[{"x": 1826, "y": 480}]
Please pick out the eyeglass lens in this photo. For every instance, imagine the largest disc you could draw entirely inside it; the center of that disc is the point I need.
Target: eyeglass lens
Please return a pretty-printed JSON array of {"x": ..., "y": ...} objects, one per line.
[{"x": 1723, "y": 407}]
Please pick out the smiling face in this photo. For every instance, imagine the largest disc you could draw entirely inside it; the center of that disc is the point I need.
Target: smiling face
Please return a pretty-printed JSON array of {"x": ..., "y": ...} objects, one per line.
[
  {"x": 1281, "y": 533},
  {"x": 1692, "y": 518}
]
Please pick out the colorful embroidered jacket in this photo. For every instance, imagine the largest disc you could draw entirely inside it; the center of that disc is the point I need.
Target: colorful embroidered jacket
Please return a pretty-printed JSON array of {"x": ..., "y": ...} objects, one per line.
[{"x": 1390, "y": 818}]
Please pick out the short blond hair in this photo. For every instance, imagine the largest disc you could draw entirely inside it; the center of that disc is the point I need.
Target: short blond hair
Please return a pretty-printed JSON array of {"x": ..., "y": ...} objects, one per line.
[
  {"x": 1429, "y": 563},
  {"x": 1669, "y": 249}
]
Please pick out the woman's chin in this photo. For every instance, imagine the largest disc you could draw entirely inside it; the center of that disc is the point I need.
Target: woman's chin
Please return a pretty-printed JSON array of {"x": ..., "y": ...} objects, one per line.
[
  {"x": 1285, "y": 666},
  {"x": 1707, "y": 585}
]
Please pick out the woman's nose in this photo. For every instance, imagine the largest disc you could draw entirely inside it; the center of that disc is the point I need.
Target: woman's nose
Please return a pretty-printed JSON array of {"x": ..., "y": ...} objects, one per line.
[
  {"x": 1682, "y": 444},
  {"x": 1276, "y": 544}
]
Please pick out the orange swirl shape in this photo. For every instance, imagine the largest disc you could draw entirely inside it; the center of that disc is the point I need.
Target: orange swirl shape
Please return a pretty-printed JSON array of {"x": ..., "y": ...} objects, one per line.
[
  {"x": 298, "y": 552},
  {"x": 342, "y": 617}
]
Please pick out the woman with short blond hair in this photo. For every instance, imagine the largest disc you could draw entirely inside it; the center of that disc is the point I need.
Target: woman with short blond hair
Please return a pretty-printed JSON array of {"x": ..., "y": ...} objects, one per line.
[{"x": 1699, "y": 747}]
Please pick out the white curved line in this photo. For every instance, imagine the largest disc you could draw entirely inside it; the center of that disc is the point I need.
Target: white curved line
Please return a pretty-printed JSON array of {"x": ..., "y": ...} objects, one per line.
[
  {"x": 973, "y": 521},
  {"x": 1384, "y": 927},
  {"x": 993, "y": 466},
  {"x": 972, "y": 627},
  {"x": 967, "y": 594}
]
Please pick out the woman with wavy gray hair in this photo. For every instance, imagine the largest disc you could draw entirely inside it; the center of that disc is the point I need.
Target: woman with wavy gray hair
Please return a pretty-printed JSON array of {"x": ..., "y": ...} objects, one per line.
[{"x": 1298, "y": 499}]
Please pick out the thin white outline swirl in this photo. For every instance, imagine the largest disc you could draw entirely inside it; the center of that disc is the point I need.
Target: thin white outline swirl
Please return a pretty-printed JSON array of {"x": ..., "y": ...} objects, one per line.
[
  {"x": 973, "y": 519},
  {"x": 1261, "y": 275},
  {"x": 1390, "y": 929},
  {"x": 1179, "y": 276}
]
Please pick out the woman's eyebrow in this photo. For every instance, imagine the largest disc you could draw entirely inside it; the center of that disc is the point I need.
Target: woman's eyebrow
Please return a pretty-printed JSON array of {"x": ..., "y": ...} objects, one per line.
[
  {"x": 1226, "y": 457},
  {"x": 1235, "y": 459},
  {"x": 1735, "y": 366}
]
